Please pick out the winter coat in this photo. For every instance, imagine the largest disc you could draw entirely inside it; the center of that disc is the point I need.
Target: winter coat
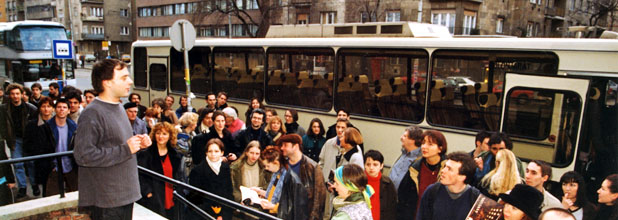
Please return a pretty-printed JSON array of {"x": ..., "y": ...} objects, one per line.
[
  {"x": 237, "y": 176},
  {"x": 198, "y": 144},
  {"x": 203, "y": 177},
  {"x": 7, "y": 121},
  {"x": 150, "y": 159}
]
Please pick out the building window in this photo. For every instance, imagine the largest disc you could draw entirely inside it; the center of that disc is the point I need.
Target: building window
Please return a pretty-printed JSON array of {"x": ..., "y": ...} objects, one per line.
[
  {"x": 168, "y": 10},
  {"x": 469, "y": 22},
  {"x": 252, "y": 4},
  {"x": 393, "y": 16},
  {"x": 444, "y": 18},
  {"x": 124, "y": 30},
  {"x": 154, "y": 32},
  {"x": 571, "y": 5},
  {"x": 239, "y": 4},
  {"x": 499, "y": 25},
  {"x": 124, "y": 12},
  {"x": 237, "y": 30},
  {"x": 529, "y": 29},
  {"x": 302, "y": 18},
  {"x": 97, "y": 30},
  {"x": 98, "y": 12},
  {"x": 328, "y": 17}
]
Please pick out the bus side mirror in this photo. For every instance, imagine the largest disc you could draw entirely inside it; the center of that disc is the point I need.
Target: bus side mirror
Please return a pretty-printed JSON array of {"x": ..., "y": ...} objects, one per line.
[{"x": 611, "y": 93}]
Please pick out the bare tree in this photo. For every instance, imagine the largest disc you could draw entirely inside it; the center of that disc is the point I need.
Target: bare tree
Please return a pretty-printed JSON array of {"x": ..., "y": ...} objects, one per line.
[
  {"x": 368, "y": 8},
  {"x": 219, "y": 10}
]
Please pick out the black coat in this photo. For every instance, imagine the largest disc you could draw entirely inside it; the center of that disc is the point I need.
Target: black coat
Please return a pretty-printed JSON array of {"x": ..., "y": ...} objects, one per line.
[
  {"x": 247, "y": 135},
  {"x": 198, "y": 144},
  {"x": 388, "y": 198},
  {"x": 203, "y": 177},
  {"x": 38, "y": 140},
  {"x": 151, "y": 160},
  {"x": 293, "y": 203}
]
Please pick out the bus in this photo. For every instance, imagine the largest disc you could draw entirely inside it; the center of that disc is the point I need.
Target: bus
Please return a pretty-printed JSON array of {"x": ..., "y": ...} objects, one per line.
[
  {"x": 555, "y": 97},
  {"x": 26, "y": 54}
]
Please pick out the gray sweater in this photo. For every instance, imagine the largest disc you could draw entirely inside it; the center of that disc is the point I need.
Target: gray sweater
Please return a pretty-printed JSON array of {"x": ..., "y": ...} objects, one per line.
[{"x": 107, "y": 169}]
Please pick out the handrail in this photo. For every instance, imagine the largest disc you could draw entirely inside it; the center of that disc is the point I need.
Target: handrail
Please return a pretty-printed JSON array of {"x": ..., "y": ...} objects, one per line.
[
  {"x": 58, "y": 157},
  {"x": 210, "y": 196},
  {"x": 161, "y": 177},
  {"x": 199, "y": 211},
  {"x": 37, "y": 157}
]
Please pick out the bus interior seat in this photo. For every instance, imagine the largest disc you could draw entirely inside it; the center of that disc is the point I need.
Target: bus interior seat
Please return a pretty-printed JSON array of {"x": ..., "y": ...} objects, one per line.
[
  {"x": 468, "y": 98},
  {"x": 438, "y": 111},
  {"x": 489, "y": 105}
]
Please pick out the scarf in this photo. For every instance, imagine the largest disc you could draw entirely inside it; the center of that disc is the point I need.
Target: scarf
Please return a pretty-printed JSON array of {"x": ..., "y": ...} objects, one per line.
[
  {"x": 277, "y": 194},
  {"x": 214, "y": 165},
  {"x": 353, "y": 188},
  {"x": 291, "y": 127}
]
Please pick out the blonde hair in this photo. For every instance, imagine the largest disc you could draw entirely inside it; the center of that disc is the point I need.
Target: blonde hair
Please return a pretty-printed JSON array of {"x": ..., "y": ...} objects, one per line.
[
  {"x": 505, "y": 176},
  {"x": 167, "y": 127},
  {"x": 188, "y": 118},
  {"x": 281, "y": 130}
]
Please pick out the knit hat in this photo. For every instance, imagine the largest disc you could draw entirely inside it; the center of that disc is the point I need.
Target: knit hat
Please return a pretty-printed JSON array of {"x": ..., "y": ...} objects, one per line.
[{"x": 525, "y": 198}]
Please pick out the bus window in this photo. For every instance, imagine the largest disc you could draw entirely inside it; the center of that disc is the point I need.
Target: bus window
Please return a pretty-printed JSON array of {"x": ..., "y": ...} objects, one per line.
[
  {"x": 300, "y": 77},
  {"x": 466, "y": 86},
  {"x": 158, "y": 77},
  {"x": 198, "y": 70},
  {"x": 382, "y": 83},
  {"x": 3, "y": 68},
  {"x": 140, "y": 60},
  {"x": 550, "y": 117},
  {"x": 239, "y": 72}
]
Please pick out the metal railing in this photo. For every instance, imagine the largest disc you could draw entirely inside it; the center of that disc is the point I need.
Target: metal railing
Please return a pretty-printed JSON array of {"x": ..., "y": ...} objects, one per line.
[
  {"x": 208, "y": 195},
  {"x": 57, "y": 156},
  {"x": 160, "y": 177}
]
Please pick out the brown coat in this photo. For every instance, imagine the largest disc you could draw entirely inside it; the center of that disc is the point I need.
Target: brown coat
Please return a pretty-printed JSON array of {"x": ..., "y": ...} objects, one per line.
[
  {"x": 312, "y": 179},
  {"x": 236, "y": 172}
]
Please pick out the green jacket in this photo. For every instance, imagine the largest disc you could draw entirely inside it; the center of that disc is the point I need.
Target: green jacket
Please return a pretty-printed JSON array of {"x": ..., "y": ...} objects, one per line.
[
  {"x": 236, "y": 174},
  {"x": 352, "y": 208}
]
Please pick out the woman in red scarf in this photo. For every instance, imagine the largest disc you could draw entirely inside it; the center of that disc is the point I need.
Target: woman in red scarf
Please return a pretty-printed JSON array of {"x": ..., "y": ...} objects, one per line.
[{"x": 162, "y": 158}]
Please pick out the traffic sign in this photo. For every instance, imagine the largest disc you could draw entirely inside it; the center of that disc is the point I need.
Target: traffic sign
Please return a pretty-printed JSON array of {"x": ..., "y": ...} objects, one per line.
[
  {"x": 62, "y": 49},
  {"x": 178, "y": 34}
]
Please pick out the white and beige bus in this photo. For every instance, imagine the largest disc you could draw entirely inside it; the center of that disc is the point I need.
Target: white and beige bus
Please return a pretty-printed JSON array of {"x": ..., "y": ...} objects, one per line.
[{"x": 556, "y": 98}]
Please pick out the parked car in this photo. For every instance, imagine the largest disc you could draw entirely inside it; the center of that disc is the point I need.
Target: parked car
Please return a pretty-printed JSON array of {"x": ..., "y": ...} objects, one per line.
[{"x": 90, "y": 58}]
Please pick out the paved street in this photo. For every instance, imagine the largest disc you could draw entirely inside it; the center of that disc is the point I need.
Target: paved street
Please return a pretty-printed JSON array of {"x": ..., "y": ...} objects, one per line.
[{"x": 82, "y": 76}]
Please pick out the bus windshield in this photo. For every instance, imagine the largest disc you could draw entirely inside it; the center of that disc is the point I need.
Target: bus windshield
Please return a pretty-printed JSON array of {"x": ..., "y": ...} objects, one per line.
[{"x": 33, "y": 38}]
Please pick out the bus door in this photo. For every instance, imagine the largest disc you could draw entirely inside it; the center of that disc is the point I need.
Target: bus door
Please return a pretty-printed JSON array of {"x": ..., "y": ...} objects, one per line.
[
  {"x": 157, "y": 73},
  {"x": 543, "y": 115}
]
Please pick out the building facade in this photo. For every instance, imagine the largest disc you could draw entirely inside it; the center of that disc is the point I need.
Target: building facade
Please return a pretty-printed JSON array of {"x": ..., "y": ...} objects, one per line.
[
  {"x": 15, "y": 10},
  {"x": 211, "y": 18},
  {"x": 3, "y": 17}
]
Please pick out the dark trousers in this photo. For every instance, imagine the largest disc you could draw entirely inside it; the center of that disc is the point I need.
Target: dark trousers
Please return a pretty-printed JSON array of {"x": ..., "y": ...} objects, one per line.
[
  {"x": 70, "y": 182},
  {"x": 115, "y": 213}
]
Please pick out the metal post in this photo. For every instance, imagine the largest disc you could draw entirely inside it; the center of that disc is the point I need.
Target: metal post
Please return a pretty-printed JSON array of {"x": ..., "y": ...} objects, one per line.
[
  {"x": 60, "y": 176},
  {"x": 186, "y": 60}
]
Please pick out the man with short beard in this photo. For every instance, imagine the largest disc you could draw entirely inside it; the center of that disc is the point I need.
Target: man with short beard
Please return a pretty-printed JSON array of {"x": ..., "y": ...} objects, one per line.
[
  {"x": 309, "y": 172},
  {"x": 105, "y": 146},
  {"x": 255, "y": 132},
  {"x": 54, "y": 91},
  {"x": 136, "y": 98},
  {"x": 13, "y": 118}
]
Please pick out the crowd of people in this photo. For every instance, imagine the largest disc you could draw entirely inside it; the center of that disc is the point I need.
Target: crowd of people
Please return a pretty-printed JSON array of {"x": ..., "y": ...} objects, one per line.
[{"x": 298, "y": 173}]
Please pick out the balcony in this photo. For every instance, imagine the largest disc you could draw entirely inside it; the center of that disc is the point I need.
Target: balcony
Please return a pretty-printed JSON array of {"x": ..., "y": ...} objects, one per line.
[
  {"x": 554, "y": 13},
  {"x": 41, "y": 15},
  {"x": 92, "y": 18},
  {"x": 92, "y": 36}
]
